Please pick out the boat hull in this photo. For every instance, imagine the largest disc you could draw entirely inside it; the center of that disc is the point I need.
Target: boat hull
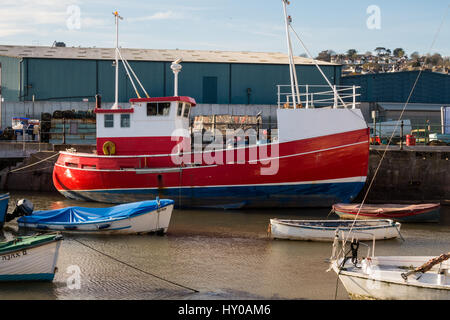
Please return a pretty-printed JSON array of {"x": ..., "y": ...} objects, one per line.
[
  {"x": 30, "y": 264},
  {"x": 357, "y": 287},
  {"x": 431, "y": 214},
  {"x": 4, "y": 200},
  {"x": 153, "y": 221},
  {"x": 380, "y": 230},
  {"x": 229, "y": 197},
  {"x": 308, "y": 173},
  {"x": 386, "y": 283}
]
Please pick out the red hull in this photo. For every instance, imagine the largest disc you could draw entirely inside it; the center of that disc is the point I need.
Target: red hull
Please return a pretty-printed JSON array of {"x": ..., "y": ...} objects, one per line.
[
  {"x": 403, "y": 213},
  {"x": 340, "y": 158}
]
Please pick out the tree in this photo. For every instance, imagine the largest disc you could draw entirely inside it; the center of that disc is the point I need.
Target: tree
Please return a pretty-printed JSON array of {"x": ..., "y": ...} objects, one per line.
[
  {"x": 380, "y": 50},
  {"x": 399, "y": 52},
  {"x": 415, "y": 56},
  {"x": 435, "y": 60},
  {"x": 352, "y": 53},
  {"x": 325, "y": 55}
]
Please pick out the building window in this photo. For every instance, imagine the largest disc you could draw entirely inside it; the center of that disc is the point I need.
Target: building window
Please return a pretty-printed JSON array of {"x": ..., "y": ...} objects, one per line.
[
  {"x": 187, "y": 107},
  {"x": 109, "y": 120},
  {"x": 125, "y": 120},
  {"x": 158, "y": 108},
  {"x": 180, "y": 108}
]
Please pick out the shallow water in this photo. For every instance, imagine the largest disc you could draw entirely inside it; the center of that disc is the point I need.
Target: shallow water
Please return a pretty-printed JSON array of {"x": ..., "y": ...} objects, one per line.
[{"x": 222, "y": 254}]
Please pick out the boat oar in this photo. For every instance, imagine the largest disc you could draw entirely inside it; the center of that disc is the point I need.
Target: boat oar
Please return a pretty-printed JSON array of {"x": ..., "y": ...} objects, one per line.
[
  {"x": 396, "y": 228},
  {"x": 427, "y": 265}
]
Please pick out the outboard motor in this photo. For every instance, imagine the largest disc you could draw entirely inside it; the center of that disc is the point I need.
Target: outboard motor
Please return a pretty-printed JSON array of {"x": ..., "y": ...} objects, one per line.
[{"x": 23, "y": 207}]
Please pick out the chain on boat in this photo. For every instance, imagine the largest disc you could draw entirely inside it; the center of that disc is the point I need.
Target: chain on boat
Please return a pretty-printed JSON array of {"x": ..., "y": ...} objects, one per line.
[{"x": 427, "y": 265}]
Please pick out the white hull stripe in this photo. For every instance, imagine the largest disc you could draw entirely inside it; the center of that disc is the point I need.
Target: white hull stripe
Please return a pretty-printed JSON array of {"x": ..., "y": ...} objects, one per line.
[
  {"x": 361, "y": 179},
  {"x": 177, "y": 169}
]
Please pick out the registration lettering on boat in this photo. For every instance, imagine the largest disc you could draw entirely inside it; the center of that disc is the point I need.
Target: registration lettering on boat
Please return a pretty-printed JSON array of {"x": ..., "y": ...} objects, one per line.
[{"x": 13, "y": 255}]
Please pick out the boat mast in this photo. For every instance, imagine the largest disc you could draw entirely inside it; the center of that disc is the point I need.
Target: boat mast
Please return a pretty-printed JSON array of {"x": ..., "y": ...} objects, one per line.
[
  {"x": 116, "y": 100},
  {"x": 293, "y": 74},
  {"x": 176, "y": 68}
]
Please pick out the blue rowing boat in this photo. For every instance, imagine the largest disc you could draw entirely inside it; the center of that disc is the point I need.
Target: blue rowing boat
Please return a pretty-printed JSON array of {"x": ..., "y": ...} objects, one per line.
[
  {"x": 135, "y": 217},
  {"x": 4, "y": 200}
]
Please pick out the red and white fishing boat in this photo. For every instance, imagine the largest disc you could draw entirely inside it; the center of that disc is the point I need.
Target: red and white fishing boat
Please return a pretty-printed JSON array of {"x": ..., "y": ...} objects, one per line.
[{"x": 320, "y": 157}]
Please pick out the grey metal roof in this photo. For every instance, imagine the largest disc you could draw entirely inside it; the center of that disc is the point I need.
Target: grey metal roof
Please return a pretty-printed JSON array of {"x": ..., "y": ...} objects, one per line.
[
  {"x": 153, "y": 55},
  {"x": 390, "y": 106}
]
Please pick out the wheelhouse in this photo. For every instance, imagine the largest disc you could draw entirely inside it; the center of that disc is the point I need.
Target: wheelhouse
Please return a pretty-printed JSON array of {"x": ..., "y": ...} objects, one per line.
[{"x": 148, "y": 126}]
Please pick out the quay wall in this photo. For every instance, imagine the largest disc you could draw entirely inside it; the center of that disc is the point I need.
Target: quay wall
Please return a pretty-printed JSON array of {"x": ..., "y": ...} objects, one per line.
[{"x": 415, "y": 174}]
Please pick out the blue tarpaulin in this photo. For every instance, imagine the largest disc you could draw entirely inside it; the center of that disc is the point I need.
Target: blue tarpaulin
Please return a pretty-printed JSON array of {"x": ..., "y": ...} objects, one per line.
[{"x": 77, "y": 215}]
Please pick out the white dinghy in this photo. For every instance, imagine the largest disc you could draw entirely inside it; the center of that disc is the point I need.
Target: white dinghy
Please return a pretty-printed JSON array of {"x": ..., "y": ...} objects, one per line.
[
  {"x": 325, "y": 230},
  {"x": 393, "y": 277},
  {"x": 30, "y": 258}
]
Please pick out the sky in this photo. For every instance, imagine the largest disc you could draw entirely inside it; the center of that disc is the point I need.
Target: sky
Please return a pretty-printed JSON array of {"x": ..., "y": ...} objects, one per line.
[{"x": 230, "y": 25}]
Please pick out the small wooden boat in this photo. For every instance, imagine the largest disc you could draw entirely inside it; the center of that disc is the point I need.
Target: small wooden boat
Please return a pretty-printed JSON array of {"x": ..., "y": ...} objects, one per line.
[
  {"x": 4, "y": 200},
  {"x": 135, "y": 217},
  {"x": 427, "y": 212},
  {"x": 31, "y": 258},
  {"x": 325, "y": 230},
  {"x": 391, "y": 277}
]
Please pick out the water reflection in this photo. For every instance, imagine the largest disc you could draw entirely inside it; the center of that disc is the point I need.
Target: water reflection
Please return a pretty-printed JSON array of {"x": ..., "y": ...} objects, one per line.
[{"x": 223, "y": 254}]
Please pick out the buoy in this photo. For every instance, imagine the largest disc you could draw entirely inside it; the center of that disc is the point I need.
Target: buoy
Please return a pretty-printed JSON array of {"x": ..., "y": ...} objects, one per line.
[{"x": 109, "y": 148}]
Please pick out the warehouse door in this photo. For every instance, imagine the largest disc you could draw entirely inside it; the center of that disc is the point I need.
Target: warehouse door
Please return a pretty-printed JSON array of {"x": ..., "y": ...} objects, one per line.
[{"x": 209, "y": 90}]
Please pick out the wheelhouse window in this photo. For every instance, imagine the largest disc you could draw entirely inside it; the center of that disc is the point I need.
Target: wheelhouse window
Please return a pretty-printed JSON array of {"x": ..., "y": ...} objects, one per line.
[
  {"x": 109, "y": 120},
  {"x": 158, "y": 108},
  {"x": 152, "y": 109},
  {"x": 187, "y": 108},
  {"x": 180, "y": 109},
  {"x": 125, "y": 120},
  {"x": 163, "y": 108}
]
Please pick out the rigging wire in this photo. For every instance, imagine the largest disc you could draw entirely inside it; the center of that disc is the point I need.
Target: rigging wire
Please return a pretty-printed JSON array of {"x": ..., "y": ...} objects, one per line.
[
  {"x": 128, "y": 73},
  {"x": 318, "y": 67},
  {"x": 397, "y": 123},
  {"x": 392, "y": 135}
]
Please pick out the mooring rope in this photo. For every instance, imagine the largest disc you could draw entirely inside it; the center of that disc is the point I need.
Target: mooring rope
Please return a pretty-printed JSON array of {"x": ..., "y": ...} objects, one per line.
[
  {"x": 34, "y": 170},
  {"x": 133, "y": 267},
  {"x": 33, "y": 164}
]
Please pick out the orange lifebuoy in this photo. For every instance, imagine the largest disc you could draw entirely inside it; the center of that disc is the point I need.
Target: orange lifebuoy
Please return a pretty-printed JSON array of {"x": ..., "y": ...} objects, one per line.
[{"x": 109, "y": 148}]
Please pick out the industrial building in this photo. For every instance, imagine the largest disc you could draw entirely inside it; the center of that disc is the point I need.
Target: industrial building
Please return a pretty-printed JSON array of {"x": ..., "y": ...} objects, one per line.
[
  {"x": 211, "y": 77},
  {"x": 431, "y": 88},
  {"x": 387, "y": 93}
]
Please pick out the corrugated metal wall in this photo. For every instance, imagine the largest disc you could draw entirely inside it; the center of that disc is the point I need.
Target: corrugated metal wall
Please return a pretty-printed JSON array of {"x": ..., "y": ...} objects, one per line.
[
  {"x": 432, "y": 87},
  {"x": 73, "y": 80},
  {"x": 10, "y": 69}
]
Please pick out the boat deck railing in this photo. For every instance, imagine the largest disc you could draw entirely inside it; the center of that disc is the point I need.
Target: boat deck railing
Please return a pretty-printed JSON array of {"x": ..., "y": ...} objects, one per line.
[{"x": 313, "y": 96}]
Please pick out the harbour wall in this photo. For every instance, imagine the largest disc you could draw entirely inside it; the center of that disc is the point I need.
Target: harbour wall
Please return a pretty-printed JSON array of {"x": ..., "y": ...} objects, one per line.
[{"x": 413, "y": 175}]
